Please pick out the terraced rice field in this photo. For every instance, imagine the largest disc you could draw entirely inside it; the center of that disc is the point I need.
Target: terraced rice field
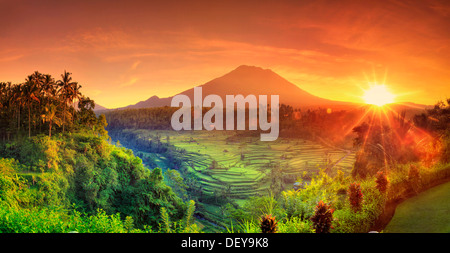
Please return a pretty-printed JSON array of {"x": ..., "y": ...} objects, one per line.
[{"x": 242, "y": 166}]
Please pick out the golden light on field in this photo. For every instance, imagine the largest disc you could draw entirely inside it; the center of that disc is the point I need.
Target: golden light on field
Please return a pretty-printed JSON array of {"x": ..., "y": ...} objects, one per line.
[{"x": 378, "y": 95}]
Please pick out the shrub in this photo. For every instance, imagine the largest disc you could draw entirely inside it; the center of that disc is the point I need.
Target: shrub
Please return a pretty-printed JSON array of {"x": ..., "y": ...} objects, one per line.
[
  {"x": 347, "y": 221},
  {"x": 45, "y": 220},
  {"x": 268, "y": 224},
  {"x": 382, "y": 182},
  {"x": 413, "y": 173},
  {"x": 295, "y": 225},
  {"x": 355, "y": 196},
  {"x": 414, "y": 178},
  {"x": 322, "y": 218}
]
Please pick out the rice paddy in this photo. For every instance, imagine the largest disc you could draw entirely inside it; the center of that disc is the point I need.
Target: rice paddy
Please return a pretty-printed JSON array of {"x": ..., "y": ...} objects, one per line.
[{"x": 241, "y": 167}]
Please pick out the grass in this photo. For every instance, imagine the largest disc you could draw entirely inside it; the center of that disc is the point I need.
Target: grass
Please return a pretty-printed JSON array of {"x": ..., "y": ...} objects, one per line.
[{"x": 424, "y": 213}]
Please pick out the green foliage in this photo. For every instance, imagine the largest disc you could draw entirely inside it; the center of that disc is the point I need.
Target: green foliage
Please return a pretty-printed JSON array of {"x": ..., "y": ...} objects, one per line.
[
  {"x": 45, "y": 220},
  {"x": 301, "y": 203},
  {"x": 296, "y": 209},
  {"x": 409, "y": 179},
  {"x": 189, "y": 213},
  {"x": 297, "y": 204},
  {"x": 346, "y": 220},
  {"x": 86, "y": 170},
  {"x": 180, "y": 226},
  {"x": 254, "y": 208},
  {"x": 295, "y": 225},
  {"x": 165, "y": 221},
  {"x": 176, "y": 182},
  {"x": 11, "y": 185},
  {"x": 299, "y": 211}
]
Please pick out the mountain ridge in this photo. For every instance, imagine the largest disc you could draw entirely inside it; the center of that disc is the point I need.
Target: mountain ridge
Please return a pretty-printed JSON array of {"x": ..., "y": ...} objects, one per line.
[{"x": 246, "y": 80}]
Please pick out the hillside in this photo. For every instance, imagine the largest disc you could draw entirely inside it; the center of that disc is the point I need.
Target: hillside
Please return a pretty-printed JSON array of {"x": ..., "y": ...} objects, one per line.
[{"x": 80, "y": 182}]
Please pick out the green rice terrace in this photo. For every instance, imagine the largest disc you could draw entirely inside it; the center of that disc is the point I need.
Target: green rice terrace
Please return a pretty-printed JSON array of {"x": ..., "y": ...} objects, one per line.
[{"x": 239, "y": 167}]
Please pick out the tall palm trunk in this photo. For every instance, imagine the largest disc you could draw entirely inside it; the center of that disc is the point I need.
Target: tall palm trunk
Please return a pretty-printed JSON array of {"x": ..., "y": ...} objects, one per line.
[
  {"x": 50, "y": 129},
  {"x": 64, "y": 116}
]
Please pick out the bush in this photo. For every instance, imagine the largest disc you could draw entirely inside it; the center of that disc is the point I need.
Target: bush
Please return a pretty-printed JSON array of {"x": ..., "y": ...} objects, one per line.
[
  {"x": 355, "y": 196},
  {"x": 268, "y": 224},
  {"x": 382, "y": 182},
  {"x": 45, "y": 220},
  {"x": 348, "y": 221},
  {"x": 322, "y": 218},
  {"x": 295, "y": 225}
]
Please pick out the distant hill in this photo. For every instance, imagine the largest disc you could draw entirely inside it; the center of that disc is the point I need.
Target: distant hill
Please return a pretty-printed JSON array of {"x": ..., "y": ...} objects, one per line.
[
  {"x": 154, "y": 101},
  {"x": 247, "y": 80},
  {"x": 99, "y": 108}
]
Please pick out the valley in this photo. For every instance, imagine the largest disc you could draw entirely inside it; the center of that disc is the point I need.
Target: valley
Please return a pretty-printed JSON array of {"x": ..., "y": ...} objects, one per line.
[{"x": 231, "y": 168}]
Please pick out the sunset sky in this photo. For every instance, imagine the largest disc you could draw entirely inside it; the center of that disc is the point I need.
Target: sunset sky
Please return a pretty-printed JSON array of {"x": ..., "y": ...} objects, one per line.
[{"x": 123, "y": 52}]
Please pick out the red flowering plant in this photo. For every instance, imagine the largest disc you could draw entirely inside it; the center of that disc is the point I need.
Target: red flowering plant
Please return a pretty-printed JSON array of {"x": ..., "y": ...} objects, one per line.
[
  {"x": 355, "y": 196},
  {"x": 322, "y": 218}
]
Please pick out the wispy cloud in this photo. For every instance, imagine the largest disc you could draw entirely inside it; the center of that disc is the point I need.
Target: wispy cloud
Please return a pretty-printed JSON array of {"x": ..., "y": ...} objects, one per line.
[
  {"x": 130, "y": 82},
  {"x": 11, "y": 58},
  {"x": 135, "y": 65}
]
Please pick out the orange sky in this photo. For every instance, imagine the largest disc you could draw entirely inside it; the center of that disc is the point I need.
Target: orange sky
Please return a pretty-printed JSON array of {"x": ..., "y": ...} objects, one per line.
[{"x": 122, "y": 52}]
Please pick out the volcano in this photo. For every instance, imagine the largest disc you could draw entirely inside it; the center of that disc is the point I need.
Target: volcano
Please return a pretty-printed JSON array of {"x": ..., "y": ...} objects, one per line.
[{"x": 250, "y": 80}]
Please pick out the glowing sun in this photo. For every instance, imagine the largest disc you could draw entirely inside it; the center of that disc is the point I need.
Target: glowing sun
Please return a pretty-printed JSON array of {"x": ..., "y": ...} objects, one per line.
[{"x": 378, "y": 95}]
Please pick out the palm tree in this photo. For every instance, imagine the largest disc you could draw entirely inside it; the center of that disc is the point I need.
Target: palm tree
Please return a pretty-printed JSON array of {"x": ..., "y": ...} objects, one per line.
[
  {"x": 5, "y": 111},
  {"x": 48, "y": 86},
  {"x": 51, "y": 117},
  {"x": 48, "y": 92},
  {"x": 18, "y": 99},
  {"x": 65, "y": 91},
  {"x": 30, "y": 89},
  {"x": 75, "y": 95}
]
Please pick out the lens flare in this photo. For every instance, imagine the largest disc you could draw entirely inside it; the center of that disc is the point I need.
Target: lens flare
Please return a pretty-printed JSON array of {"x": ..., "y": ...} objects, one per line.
[{"x": 378, "y": 95}]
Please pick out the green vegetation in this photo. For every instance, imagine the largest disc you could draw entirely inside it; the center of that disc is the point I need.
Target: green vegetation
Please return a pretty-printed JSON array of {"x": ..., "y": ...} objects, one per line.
[
  {"x": 236, "y": 180},
  {"x": 322, "y": 206},
  {"x": 70, "y": 177},
  {"x": 80, "y": 182},
  {"x": 224, "y": 168}
]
